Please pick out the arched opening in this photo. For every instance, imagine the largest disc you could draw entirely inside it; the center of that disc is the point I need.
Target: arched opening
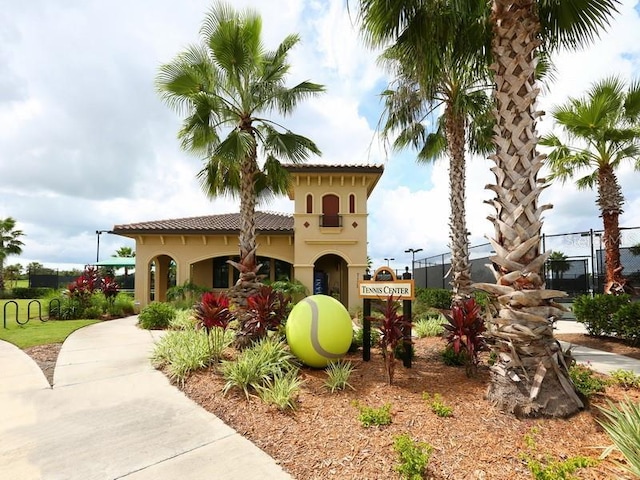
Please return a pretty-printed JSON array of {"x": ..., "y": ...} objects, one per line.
[
  {"x": 352, "y": 203},
  {"x": 309, "y": 203},
  {"x": 162, "y": 276},
  {"x": 331, "y": 277}
]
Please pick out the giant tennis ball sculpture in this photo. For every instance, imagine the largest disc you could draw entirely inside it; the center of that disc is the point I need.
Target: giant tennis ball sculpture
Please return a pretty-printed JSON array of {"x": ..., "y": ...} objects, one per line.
[{"x": 319, "y": 330}]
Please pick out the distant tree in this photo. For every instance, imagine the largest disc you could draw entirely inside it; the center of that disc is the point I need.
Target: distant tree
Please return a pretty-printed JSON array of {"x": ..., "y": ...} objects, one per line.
[
  {"x": 125, "y": 252},
  {"x": 12, "y": 274},
  {"x": 558, "y": 264},
  {"x": 635, "y": 250},
  {"x": 10, "y": 243},
  {"x": 34, "y": 267}
]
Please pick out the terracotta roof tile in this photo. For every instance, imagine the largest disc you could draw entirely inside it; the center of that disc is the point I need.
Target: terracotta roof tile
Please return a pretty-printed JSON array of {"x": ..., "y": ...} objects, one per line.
[{"x": 222, "y": 223}]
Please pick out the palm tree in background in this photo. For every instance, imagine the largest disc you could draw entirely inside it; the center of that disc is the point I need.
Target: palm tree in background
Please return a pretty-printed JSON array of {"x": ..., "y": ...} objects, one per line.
[
  {"x": 124, "y": 252},
  {"x": 226, "y": 85},
  {"x": 602, "y": 131},
  {"x": 530, "y": 376},
  {"x": 457, "y": 90},
  {"x": 558, "y": 264},
  {"x": 10, "y": 244}
]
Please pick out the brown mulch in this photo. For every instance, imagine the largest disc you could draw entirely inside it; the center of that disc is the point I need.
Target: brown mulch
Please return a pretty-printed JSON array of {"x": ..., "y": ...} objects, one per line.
[
  {"x": 323, "y": 437},
  {"x": 45, "y": 356}
]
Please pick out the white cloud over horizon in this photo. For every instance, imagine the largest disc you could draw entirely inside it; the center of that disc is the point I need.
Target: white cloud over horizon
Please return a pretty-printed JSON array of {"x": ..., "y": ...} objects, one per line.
[{"x": 86, "y": 143}]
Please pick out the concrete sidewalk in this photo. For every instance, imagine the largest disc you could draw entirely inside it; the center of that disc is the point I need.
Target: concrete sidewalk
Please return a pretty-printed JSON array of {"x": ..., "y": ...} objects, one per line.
[{"x": 110, "y": 415}]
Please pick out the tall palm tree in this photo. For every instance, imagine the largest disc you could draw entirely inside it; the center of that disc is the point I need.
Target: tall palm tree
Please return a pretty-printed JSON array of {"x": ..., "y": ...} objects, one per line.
[
  {"x": 530, "y": 376},
  {"x": 226, "y": 85},
  {"x": 459, "y": 93},
  {"x": 10, "y": 243},
  {"x": 124, "y": 252},
  {"x": 602, "y": 133}
]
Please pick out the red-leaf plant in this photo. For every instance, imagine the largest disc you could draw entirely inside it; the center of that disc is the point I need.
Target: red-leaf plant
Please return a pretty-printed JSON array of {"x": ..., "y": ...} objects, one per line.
[
  {"x": 110, "y": 288},
  {"x": 266, "y": 310},
  {"x": 465, "y": 328},
  {"x": 213, "y": 315},
  {"x": 392, "y": 328},
  {"x": 83, "y": 287}
]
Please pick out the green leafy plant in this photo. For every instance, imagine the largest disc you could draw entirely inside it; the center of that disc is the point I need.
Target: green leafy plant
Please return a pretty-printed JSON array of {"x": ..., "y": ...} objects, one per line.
[
  {"x": 625, "y": 378},
  {"x": 338, "y": 374},
  {"x": 265, "y": 312},
  {"x": 413, "y": 457},
  {"x": 626, "y": 323},
  {"x": 281, "y": 390},
  {"x": 452, "y": 358},
  {"x": 392, "y": 331},
  {"x": 184, "y": 320},
  {"x": 465, "y": 329},
  {"x": 544, "y": 467},
  {"x": 585, "y": 381},
  {"x": 597, "y": 312},
  {"x": 438, "y": 298},
  {"x": 622, "y": 424},
  {"x": 156, "y": 316},
  {"x": 370, "y": 416},
  {"x": 428, "y": 326},
  {"x": 358, "y": 336},
  {"x": 437, "y": 404},
  {"x": 265, "y": 359},
  {"x": 213, "y": 315}
]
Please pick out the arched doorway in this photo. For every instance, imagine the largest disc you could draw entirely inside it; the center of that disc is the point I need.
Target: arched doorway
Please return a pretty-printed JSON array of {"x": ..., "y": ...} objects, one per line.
[
  {"x": 162, "y": 276},
  {"x": 331, "y": 277}
]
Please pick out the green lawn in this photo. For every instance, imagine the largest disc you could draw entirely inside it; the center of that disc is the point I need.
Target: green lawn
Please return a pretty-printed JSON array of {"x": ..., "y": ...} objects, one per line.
[
  {"x": 23, "y": 309},
  {"x": 35, "y": 332}
]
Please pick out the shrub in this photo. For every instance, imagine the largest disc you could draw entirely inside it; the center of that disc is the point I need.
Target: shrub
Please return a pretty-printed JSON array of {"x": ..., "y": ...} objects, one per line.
[
  {"x": 622, "y": 424},
  {"x": 428, "y": 326},
  {"x": 413, "y": 457},
  {"x": 281, "y": 390},
  {"x": 434, "y": 298},
  {"x": 28, "y": 292},
  {"x": 358, "y": 335},
  {"x": 585, "y": 381},
  {"x": 465, "y": 328},
  {"x": 212, "y": 313},
  {"x": 266, "y": 310},
  {"x": 122, "y": 305},
  {"x": 338, "y": 374},
  {"x": 626, "y": 322},
  {"x": 437, "y": 405},
  {"x": 452, "y": 358},
  {"x": 185, "y": 295},
  {"x": 596, "y": 312},
  {"x": 370, "y": 416},
  {"x": 156, "y": 316},
  {"x": 265, "y": 359},
  {"x": 625, "y": 378},
  {"x": 184, "y": 320},
  {"x": 392, "y": 333}
]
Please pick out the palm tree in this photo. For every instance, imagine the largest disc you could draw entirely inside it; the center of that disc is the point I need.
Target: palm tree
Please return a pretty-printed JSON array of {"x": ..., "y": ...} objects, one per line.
[
  {"x": 225, "y": 86},
  {"x": 558, "y": 264},
  {"x": 530, "y": 376},
  {"x": 124, "y": 252},
  {"x": 459, "y": 93},
  {"x": 602, "y": 133},
  {"x": 10, "y": 243}
]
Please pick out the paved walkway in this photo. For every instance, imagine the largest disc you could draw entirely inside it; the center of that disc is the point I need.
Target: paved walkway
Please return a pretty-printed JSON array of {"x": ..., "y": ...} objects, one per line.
[{"x": 110, "y": 415}]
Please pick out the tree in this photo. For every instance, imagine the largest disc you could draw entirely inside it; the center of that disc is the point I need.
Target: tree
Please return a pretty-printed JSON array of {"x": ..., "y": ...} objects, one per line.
[
  {"x": 124, "y": 252},
  {"x": 10, "y": 243},
  {"x": 12, "y": 274},
  {"x": 530, "y": 376},
  {"x": 558, "y": 264},
  {"x": 227, "y": 85},
  {"x": 602, "y": 131}
]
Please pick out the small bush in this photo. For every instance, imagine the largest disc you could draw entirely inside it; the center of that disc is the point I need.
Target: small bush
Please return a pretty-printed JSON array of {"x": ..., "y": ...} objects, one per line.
[
  {"x": 31, "y": 292},
  {"x": 156, "y": 316},
  {"x": 437, "y": 405},
  {"x": 358, "y": 336},
  {"x": 338, "y": 374},
  {"x": 370, "y": 416},
  {"x": 413, "y": 457},
  {"x": 428, "y": 326},
  {"x": 626, "y": 323},
  {"x": 434, "y": 298},
  {"x": 597, "y": 313},
  {"x": 622, "y": 424},
  {"x": 452, "y": 358},
  {"x": 625, "y": 378},
  {"x": 184, "y": 320},
  {"x": 585, "y": 381},
  {"x": 281, "y": 390}
]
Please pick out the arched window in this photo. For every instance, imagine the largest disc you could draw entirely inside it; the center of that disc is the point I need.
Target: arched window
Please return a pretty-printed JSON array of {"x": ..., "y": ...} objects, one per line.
[
  {"x": 309, "y": 203},
  {"x": 352, "y": 203},
  {"x": 330, "y": 211}
]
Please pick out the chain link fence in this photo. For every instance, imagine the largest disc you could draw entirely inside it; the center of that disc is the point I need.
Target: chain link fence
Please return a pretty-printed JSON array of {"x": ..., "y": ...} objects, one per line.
[{"x": 577, "y": 268}]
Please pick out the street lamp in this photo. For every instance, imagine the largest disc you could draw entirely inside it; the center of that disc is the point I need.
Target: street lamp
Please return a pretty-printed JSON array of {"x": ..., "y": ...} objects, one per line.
[
  {"x": 413, "y": 252},
  {"x": 389, "y": 260},
  {"x": 98, "y": 233}
]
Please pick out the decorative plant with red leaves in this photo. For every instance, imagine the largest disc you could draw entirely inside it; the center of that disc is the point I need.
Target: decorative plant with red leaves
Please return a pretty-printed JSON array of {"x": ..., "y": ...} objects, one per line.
[
  {"x": 392, "y": 328},
  {"x": 214, "y": 316},
  {"x": 266, "y": 310},
  {"x": 83, "y": 287},
  {"x": 465, "y": 328},
  {"x": 110, "y": 288}
]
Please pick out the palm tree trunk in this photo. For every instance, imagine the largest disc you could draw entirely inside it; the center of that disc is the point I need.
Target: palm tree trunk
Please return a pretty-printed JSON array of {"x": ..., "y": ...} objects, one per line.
[
  {"x": 460, "y": 267},
  {"x": 610, "y": 201},
  {"x": 530, "y": 376}
]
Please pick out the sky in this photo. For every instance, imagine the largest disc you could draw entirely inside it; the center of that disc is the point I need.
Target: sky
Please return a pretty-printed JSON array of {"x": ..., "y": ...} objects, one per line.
[{"x": 86, "y": 142}]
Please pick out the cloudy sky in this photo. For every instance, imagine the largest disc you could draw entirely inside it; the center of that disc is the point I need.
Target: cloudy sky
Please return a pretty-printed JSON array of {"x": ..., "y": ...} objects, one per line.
[{"x": 86, "y": 143}]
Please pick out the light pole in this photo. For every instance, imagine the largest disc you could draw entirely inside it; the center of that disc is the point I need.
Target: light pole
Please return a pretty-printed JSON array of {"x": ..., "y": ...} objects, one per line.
[
  {"x": 413, "y": 252},
  {"x": 98, "y": 233},
  {"x": 389, "y": 260}
]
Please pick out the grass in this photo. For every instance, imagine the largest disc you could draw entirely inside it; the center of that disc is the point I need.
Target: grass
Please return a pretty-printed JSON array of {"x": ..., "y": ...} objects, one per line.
[{"x": 41, "y": 333}]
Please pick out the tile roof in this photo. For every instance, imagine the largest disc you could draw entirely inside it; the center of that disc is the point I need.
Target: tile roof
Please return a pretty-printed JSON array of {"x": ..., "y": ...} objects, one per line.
[
  {"x": 318, "y": 168},
  {"x": 208, "y": 224}
]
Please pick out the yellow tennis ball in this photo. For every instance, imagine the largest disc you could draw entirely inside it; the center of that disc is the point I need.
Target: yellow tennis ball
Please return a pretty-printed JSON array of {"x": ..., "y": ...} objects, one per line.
[{"x": 319, "y": 330}]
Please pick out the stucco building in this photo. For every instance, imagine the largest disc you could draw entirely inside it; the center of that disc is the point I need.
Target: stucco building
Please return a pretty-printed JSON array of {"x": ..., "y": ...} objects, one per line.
[{"x": 323, "y": 244}]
